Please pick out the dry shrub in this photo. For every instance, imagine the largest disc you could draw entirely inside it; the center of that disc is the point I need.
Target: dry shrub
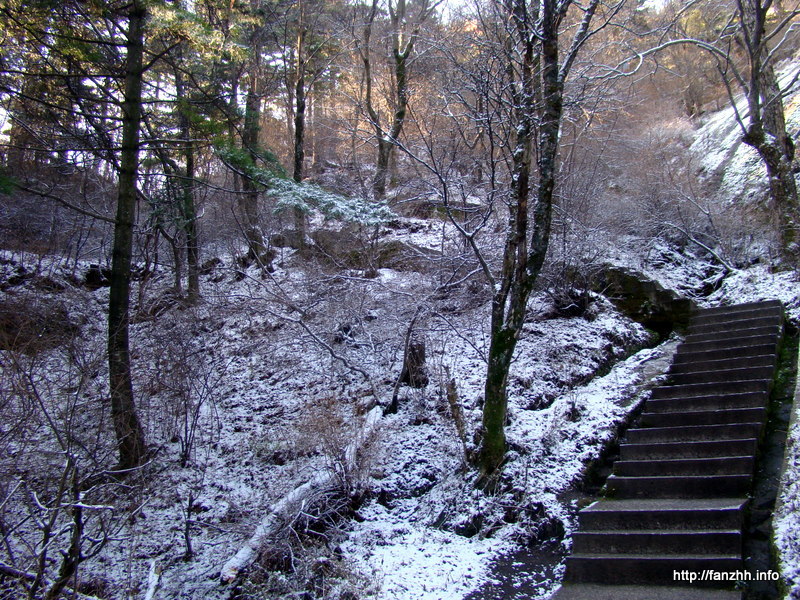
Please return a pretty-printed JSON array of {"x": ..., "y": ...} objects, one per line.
[
  {"x": 177, "y": 370},
  {"x": 303, "y": 569},
  {"x": 331, "y": 428},
  {"x": 58, "y": 507},
  {"x": 303, "y": 560},
  {"x": 32, "y": 325}
]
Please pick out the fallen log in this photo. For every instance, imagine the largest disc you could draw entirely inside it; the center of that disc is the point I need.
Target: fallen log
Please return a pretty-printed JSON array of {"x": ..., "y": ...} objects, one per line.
[{"x": 299, "y": 500}]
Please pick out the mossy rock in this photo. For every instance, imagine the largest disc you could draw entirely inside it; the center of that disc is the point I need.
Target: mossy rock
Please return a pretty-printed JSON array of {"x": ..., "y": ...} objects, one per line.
[
  {"x": 347, "y": 250},
  {"x": 644, "y": 300}
]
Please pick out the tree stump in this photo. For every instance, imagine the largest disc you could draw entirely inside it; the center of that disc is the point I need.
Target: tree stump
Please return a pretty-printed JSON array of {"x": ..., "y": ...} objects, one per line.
[{"x": 414, "y": 373}]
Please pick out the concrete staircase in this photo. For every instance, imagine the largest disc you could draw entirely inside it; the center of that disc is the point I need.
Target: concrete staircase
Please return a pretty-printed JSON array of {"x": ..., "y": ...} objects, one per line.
[{"x": 676, "y": 499}]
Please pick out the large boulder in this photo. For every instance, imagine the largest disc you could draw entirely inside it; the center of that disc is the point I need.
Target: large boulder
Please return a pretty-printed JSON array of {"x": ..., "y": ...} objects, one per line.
[{"x": 288, "y": 238}]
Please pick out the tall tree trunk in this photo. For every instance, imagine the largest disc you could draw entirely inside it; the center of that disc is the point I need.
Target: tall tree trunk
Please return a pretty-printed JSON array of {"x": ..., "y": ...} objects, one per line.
[
  {"x": 250, "y": 141},
  {"x": 381, "y": 167},
  {"x": 130, "y": 438},
  {"x": 317, "y": 116},
  {"x": 188, "y": 208},
  {"x": 402, "y": 47},
  {"x": 190, "y": 225},
  {"x": 388, "y": 140},
  {"x": 299, "y": 112},
  {"x": 300, "y": 129}
]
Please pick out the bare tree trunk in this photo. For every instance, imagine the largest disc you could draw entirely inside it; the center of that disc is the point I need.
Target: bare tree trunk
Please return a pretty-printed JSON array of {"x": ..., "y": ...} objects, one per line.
[
  {"x": 72, "y": 557},
  {"x": 385, "y": 146},
  {"x": 401, "y": 54},
  {"x": 190, "y": 225},
  {"x": 536, "y": 95},
  {"x": 402, "y": 47},
  {"x": 300, "y": 129},
  {"x": 300, "y": 111},
  {"x": 512, "y": 294},
  {"x": 317, "y": 116},
  {"x": 130, "y": 438}
]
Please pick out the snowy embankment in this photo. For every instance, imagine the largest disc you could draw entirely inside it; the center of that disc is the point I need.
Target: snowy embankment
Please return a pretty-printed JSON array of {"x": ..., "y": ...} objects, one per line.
[
  {"x": 786, "y": 520},
  {"x": 722, "y": 155}
]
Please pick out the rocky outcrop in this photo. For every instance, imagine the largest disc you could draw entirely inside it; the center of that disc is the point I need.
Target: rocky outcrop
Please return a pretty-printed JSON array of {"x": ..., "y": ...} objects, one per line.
[
  {"x": 644, "y": 300},
  {"x": 347, "y": 250}
]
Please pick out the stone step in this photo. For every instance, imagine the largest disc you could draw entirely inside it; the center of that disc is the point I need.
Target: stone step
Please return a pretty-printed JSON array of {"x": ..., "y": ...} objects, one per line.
[
  {"x": 685, "y": 418},
  {"x": 696, "y": 433},
  {"x": 748, "y": 310},
  {"x": 769, "y": 340},
  {"x": 626, "y": 569},
  {"x": 675, "y": 504},
  {"x": 709, "y": 402},
  {"x": 689, "y": 390},
  {"x": 679, "y": 514},
  {"x": 742, "y": 332},
  {"x": 723, "y": 465},
  {"x": 722, "y": 375},
  {"x": 688, "y": 356},
  {"x": 726, "y": 364},
  {"x": 703, "y": 449},
  {"x": 641, "y": 541},
  {"x": 772, "y": 319},
  {"x": 593, "y": 591},
  {"x": 678, "y": 486}
]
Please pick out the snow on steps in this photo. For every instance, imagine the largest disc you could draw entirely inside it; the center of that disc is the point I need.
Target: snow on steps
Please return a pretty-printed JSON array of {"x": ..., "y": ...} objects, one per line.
[{"x": 684, "y": 513}]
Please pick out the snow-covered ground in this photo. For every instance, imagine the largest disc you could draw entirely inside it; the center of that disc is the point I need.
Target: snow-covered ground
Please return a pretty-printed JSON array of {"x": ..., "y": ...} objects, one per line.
[
  {"x": 403, "y": 544},
  {"x": 275, "y": 406}
]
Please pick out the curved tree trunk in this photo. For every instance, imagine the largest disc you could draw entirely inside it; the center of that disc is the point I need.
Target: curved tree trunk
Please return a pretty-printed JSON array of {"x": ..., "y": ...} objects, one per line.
[
  {"x": 782, "y": 188},
  {"x": 766, "y": 129},
  {"x": 775, "y": 146}
]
